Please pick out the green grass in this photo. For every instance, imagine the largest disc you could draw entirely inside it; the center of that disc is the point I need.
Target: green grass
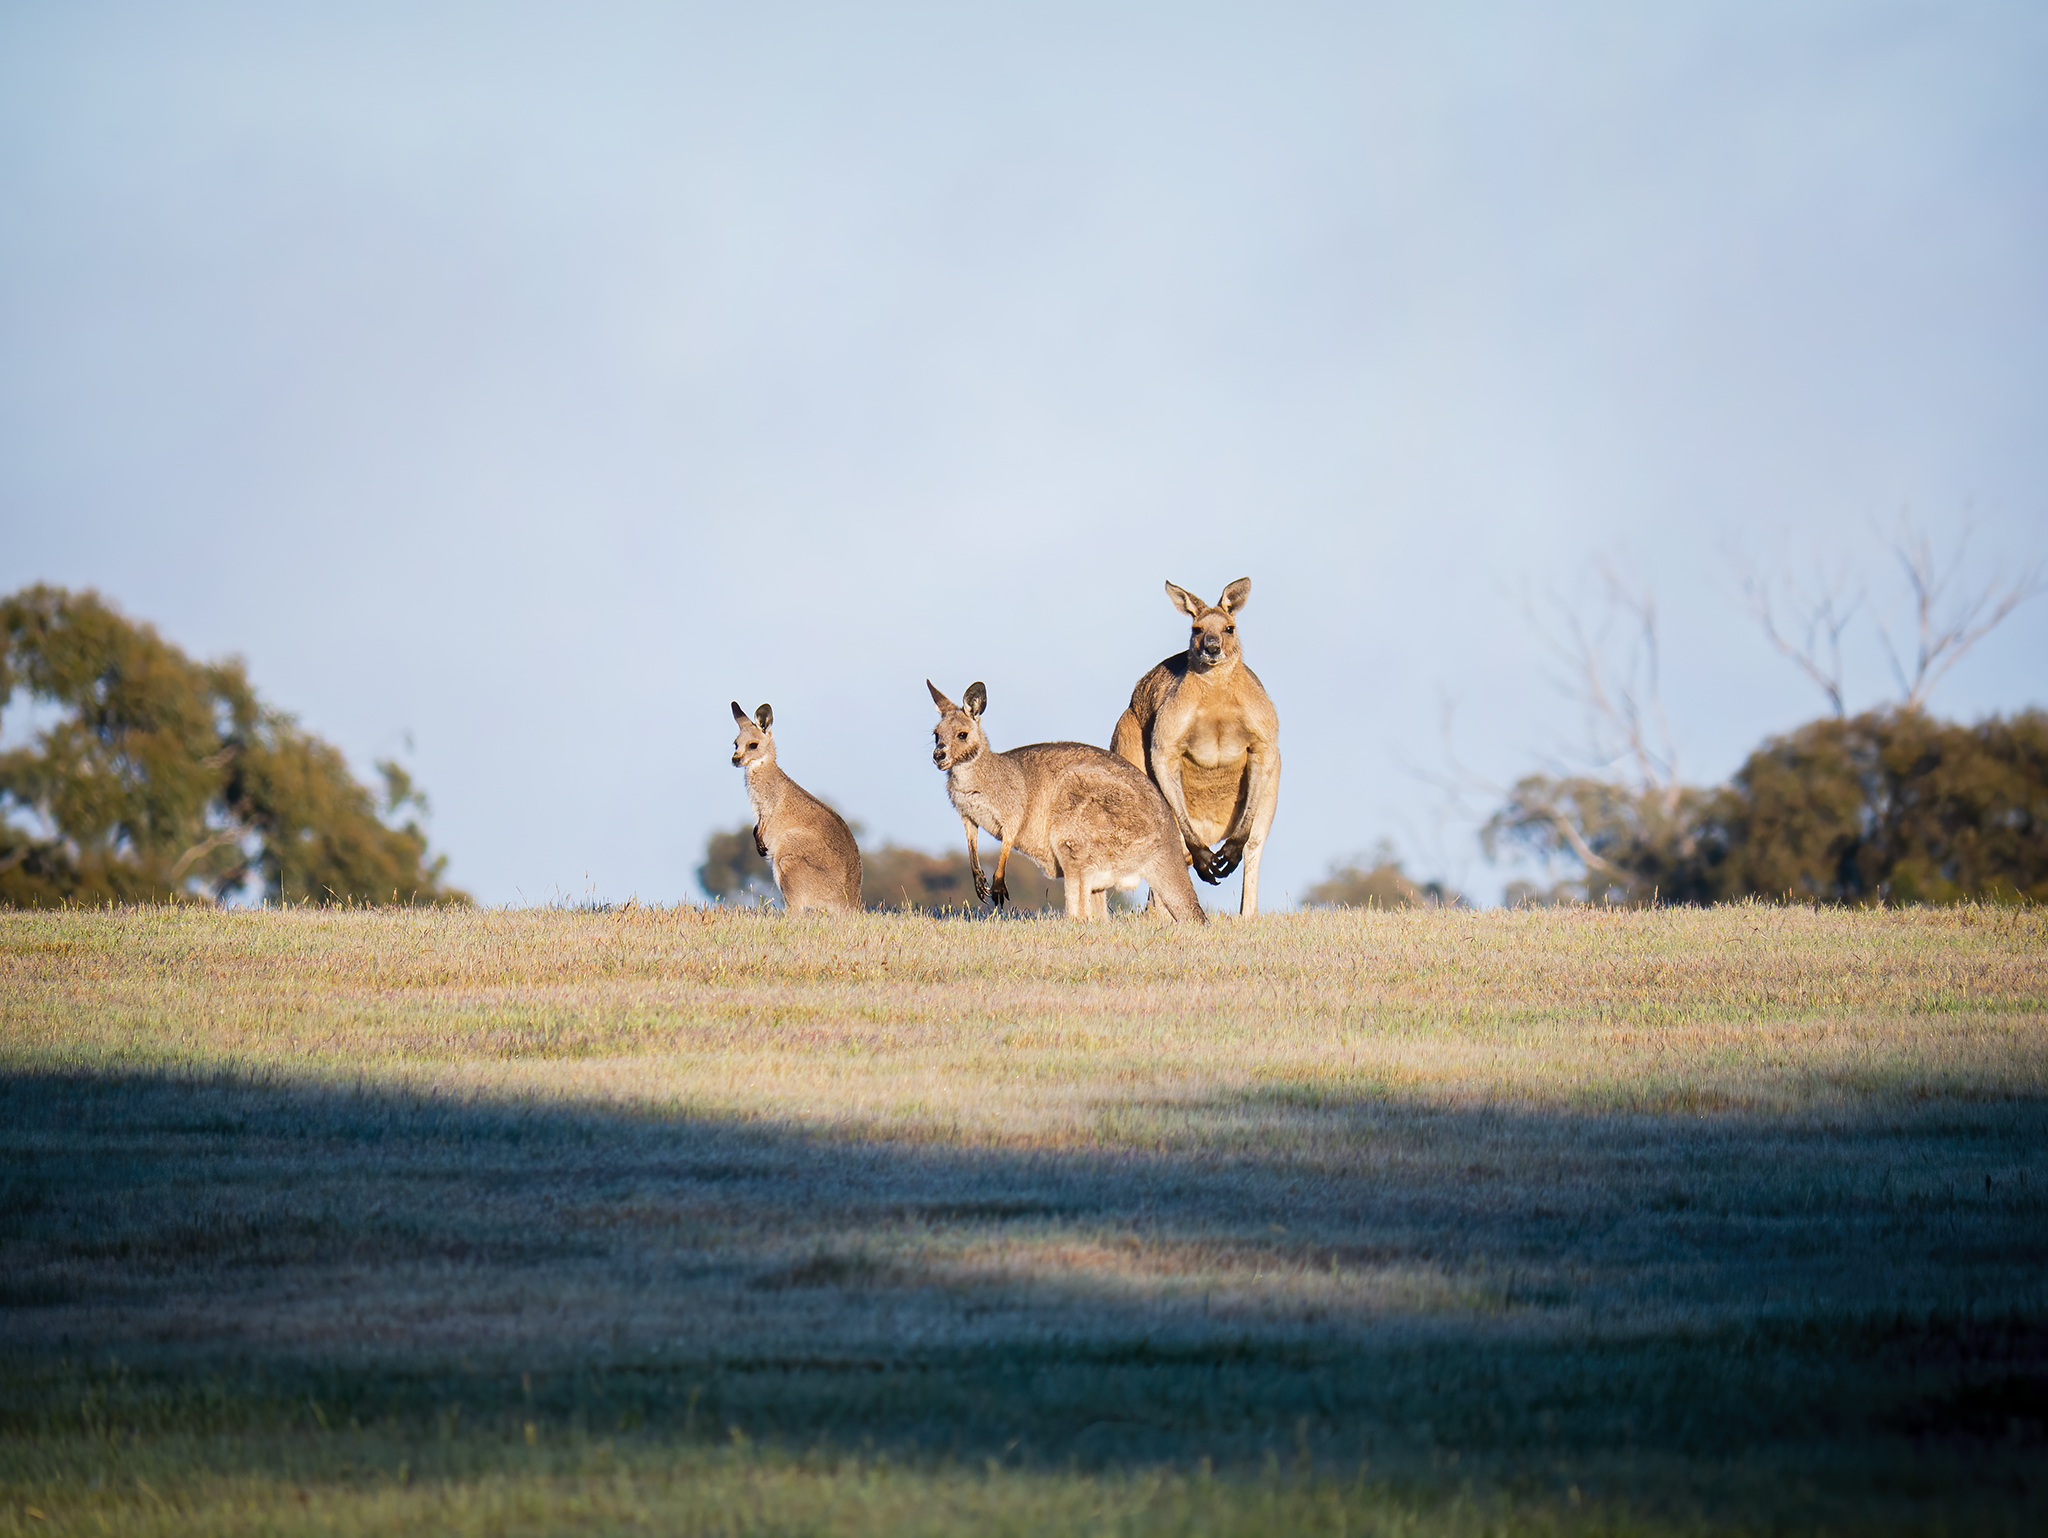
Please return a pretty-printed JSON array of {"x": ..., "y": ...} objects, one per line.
[{"x": 1342, "y": 1222}]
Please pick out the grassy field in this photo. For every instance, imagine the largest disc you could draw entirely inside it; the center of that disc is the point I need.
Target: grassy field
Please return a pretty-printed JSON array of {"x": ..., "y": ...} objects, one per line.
[{"x": 1571, "y": 1221}]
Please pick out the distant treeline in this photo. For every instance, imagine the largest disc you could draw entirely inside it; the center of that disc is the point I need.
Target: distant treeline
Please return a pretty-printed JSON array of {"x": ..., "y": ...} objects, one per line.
[
  {"x": 1378, "y": 880},
  {"x": 1891, "y": 806},
  {"x": 150, "y": 777}
]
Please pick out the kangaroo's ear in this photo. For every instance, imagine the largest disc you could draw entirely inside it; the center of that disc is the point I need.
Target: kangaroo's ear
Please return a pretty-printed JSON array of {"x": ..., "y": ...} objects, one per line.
[
  {"x": 1234, "y": 596},
  {"x": 765, "y": 716},
  {"x": 977, "y": 698},
  {"x": 738, "y": 714},
  {"x": 945, "y": 705},
  {"x": 1185, "y": 601}
]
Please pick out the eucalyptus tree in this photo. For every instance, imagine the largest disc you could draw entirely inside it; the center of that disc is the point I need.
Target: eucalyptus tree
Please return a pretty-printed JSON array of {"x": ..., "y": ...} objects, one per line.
[{"x": 142, "y": 775}]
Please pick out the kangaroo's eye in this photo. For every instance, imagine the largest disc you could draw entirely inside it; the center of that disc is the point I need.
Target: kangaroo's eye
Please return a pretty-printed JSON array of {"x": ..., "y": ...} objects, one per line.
[
  {"x": 1230, "y": 630},
  {"x": 962, "y": 736}
]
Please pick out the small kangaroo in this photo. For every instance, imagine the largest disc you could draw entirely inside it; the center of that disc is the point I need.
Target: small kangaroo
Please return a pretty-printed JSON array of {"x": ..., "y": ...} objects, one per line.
[
  {"x": 1202, "y": 726},
  {"x": 1080, "y": 814},
  {"x": 806, "y": 844}
]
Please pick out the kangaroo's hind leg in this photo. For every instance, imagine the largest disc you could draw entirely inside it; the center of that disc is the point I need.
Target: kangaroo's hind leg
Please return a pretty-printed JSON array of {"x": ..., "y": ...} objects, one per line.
[
  {"x": 1173, "y": 894},
  {"x": 1254, "y": 847}
]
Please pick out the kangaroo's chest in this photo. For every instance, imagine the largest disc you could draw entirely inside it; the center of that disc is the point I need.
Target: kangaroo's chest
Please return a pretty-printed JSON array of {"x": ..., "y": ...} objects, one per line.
[
  {"x": 980, "y": 809},
  {"x": 1216, "y": 742}
]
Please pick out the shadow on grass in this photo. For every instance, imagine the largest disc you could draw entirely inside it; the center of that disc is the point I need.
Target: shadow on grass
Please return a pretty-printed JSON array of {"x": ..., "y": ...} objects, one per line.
[{"x": 1706, "y": 1304}]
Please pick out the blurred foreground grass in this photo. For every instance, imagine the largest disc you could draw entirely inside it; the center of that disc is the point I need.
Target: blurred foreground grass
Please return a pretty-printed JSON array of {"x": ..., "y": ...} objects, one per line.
[{"x": 533, "y": 1221}]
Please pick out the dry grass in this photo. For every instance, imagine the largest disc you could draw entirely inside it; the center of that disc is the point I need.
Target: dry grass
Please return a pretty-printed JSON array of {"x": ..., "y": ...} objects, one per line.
[{"x": 1704, "y": 1216}]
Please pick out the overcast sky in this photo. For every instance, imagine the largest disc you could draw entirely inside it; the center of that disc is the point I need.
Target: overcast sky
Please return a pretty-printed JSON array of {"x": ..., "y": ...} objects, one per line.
[{"x": 529, "y": 382}]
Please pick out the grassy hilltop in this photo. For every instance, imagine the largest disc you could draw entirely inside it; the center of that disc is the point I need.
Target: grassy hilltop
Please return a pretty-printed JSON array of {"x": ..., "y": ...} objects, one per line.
[{"x": 349, "y": 1221}]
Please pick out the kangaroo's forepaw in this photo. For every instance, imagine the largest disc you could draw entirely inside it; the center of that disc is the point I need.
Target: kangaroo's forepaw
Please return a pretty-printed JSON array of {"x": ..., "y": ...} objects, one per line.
[
  {"x": 1000, "y": 891},
  {"x": 1204, "y": 863},
  {"x": 1227, "y": 859},
  {"x": 980, "y": 887}
]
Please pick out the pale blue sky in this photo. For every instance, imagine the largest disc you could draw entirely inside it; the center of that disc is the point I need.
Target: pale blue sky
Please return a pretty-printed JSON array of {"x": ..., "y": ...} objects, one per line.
[{"x": 535, "y": 380}]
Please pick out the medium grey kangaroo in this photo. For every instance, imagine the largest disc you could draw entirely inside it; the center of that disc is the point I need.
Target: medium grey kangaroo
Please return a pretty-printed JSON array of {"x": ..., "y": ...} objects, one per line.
[
  {"x": 806, "y": 844},
  {"x": 1082, "y": 815}
]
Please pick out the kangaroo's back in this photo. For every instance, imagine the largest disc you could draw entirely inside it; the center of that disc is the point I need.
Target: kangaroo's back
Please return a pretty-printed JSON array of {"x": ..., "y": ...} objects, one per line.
[
  {"x": 1047, "y": 760},
  {"x": 1134, "y": 727},
  {"x": 817, "y": 861},
  {"x": 1106, "y": 823},
  {"x": 1067, "y": 770}
]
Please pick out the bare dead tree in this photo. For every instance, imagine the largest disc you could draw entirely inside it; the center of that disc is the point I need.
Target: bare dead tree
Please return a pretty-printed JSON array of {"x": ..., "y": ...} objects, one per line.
[
  {"x": 1619, "y": 792},
  {"x": 1806, "y": 621},
  {"x": 1615, "y": 680},
  {"x": 1946, "y": 624},
  {"x": 1470, "y": 795},
  {"x": 1820, "y": 614}
]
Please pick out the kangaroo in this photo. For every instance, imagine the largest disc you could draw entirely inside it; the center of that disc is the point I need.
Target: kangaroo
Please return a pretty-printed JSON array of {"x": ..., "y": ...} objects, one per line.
[
  {"x": 806, "y": 844},
  {"x": 1081, "y": 815},
  {"x": 1201, "y": 725}
]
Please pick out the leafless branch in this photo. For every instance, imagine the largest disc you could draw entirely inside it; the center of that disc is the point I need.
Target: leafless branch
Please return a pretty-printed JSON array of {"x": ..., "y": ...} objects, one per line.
[
  {"x": 1569, "y": 832},
  {"x": 1623, "y": 702},
  {"x": 232, "y": 834},
  {"x": 1822, "y": 615},
  {"x": 1460, "y": 783},
  {"x": 1463, "y": 782},
  {"x": 1945, "y": 630}
]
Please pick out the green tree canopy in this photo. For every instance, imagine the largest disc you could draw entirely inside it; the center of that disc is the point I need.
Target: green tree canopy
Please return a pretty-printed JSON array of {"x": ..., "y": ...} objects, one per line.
[
  {"x": 150, "y": 777},
  {"x": 1892, "y": 806},
  {"x": 1635, "y": 843}
]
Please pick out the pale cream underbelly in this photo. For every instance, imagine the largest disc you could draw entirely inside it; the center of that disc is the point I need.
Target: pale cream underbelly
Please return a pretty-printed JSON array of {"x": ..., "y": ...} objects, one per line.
[{"x": 1215, "y": 797}]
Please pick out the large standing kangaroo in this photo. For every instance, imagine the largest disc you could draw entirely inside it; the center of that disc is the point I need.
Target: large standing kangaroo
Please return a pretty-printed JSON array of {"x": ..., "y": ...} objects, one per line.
[
  {"x": 806, "y": 844},
  {"x": 1082, "y": 815},
  {"x": 1201, "y": 725}
]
